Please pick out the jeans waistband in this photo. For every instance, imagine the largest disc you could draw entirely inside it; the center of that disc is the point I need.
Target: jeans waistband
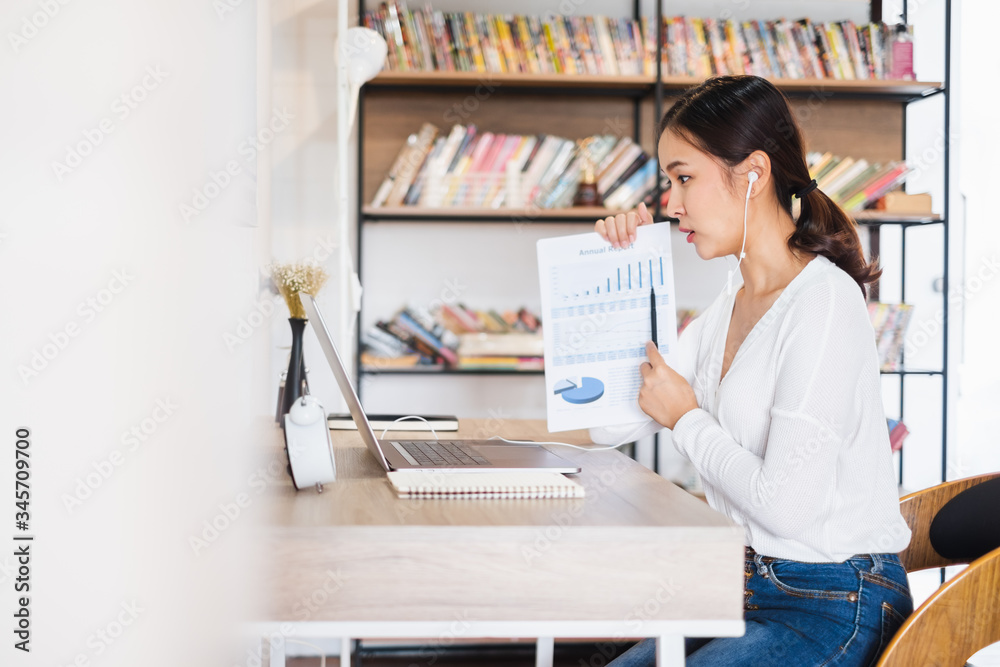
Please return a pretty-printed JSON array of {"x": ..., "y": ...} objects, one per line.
[{"x": 875, "y": 559}]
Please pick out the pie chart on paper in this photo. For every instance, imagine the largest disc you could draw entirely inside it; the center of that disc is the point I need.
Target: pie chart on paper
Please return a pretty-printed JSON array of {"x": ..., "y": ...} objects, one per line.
[{"x": 579, "y": 390}]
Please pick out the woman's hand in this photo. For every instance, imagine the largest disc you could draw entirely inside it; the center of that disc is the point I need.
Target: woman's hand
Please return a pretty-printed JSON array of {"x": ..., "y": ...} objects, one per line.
[
  {"x": 665, "y": 395},
  {"x": 619, "y": 229}
]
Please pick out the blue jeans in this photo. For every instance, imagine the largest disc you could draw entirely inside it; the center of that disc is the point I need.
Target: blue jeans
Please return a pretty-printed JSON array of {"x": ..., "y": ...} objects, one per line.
[{"x": 804, "y": 614}]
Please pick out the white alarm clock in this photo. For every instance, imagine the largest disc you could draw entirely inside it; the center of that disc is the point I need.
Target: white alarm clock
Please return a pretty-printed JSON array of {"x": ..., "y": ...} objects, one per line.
[{"x": 308, "y": 444}]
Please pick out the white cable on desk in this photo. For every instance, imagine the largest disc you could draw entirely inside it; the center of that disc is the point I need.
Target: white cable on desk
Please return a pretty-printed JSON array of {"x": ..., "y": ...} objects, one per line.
[
  {"x": 627, "y": 439},
  {"x": 433, "y": 432}
]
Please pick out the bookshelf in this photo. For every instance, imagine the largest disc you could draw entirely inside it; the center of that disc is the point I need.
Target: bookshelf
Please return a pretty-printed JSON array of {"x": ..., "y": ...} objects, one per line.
[{"x": 861, "y": 118}]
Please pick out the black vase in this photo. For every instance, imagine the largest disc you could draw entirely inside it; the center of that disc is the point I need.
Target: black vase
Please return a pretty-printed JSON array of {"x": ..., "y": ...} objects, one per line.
[{"x": 296, "y": 367}]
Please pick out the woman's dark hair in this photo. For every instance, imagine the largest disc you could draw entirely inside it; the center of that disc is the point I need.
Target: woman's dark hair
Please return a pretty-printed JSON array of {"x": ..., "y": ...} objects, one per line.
[{"x": 729, "y": 117}]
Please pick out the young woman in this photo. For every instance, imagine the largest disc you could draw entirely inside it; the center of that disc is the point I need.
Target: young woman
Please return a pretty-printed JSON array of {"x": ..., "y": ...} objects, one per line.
[{"x": 776, "y": 400}]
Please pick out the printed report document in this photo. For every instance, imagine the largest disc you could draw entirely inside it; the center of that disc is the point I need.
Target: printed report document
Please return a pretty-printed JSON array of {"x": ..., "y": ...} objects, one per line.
[{"x": 597, "y": 315}]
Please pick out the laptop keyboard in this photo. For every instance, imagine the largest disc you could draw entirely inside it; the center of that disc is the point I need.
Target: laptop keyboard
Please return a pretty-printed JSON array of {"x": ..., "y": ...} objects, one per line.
[{"x": 441, "y": 453}]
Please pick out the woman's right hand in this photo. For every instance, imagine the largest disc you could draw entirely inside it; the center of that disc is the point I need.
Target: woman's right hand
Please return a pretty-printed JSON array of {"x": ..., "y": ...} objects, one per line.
[{"x": 619, "y": 230}]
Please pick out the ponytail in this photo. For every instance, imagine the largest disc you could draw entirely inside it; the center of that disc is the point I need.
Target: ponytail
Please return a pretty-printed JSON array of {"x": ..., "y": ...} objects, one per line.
[
  {"x": 825, "y": 229},
  {"x": 730, "y": 117}
]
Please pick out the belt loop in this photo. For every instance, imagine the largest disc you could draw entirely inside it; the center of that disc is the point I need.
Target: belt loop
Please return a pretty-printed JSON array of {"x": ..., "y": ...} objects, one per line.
[
  {"x": 876, "y": 563},
  {"x": 759, "y": 561}
]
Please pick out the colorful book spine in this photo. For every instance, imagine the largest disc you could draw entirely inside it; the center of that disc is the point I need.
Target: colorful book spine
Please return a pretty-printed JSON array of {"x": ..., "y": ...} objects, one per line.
[
  {"x": 897, "y": 433},
  {"x": 427, "y": 39}
]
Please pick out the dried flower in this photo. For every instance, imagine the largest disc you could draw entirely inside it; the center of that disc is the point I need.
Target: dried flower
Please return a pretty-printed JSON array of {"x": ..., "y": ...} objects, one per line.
[{"x": 291, "y": 279}]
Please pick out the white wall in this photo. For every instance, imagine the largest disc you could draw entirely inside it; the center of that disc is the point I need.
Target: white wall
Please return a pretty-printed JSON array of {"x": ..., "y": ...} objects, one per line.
[
  {"x": 304, "y": 172},
  {"x": 979, "y": 389},
  {"x": 975, "y": 449},
  {"x": 115, "y": 308}
]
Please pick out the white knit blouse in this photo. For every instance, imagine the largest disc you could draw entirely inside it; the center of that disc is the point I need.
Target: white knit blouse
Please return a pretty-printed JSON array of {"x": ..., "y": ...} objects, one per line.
[{"x": 793, "y": 445}]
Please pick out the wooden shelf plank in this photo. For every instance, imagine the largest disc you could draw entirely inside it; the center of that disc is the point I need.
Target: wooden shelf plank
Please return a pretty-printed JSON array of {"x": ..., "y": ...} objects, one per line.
[
  {"x": 576, "y": 214},
  {"x": 580, "y": 214},
  {"x": 889, "y": 88},
  {"x": 436, "y": 78},
  {"x": 441, "y": 370},
  {"x": 888, "y": 218},
  {"x": 911, "y": 371}
]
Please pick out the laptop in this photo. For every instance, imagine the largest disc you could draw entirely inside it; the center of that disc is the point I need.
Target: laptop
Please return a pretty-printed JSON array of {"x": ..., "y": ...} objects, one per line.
[{"x": 433, "y": 455}]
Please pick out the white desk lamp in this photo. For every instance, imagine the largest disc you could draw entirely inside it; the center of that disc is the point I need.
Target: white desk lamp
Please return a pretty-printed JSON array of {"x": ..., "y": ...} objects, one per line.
[{"x": 361, "y": 54}]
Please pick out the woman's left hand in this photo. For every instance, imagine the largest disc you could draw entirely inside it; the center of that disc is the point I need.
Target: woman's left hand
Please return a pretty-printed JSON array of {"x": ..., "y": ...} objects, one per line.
[{"x": 665, "y": 395}]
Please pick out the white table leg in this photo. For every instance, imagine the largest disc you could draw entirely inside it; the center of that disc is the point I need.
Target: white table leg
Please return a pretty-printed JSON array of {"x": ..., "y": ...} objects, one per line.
[
  {"x": 544, "y": 651},
  {"x": 345, "y": 652},
  {"x": 670, "y": 651},
  {"x": 277, "y": 650}
]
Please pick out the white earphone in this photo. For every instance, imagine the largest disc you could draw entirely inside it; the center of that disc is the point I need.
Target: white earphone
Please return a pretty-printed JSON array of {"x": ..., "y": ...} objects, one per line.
[{"x": 751, "y": 178}]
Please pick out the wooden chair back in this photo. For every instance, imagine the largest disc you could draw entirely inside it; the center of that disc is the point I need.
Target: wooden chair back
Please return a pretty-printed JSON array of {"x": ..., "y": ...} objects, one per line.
[
  {"x": 963, "y": 616},
  {"x": 919, "y": 509}
]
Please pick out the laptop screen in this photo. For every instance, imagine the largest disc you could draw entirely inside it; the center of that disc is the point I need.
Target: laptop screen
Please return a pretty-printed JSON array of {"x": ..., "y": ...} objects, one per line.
[{"x": 343, "y": 380}]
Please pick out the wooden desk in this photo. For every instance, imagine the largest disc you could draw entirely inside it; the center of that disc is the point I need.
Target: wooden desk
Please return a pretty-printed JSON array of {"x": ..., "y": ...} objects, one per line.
[{"x": 638, "y": 557}]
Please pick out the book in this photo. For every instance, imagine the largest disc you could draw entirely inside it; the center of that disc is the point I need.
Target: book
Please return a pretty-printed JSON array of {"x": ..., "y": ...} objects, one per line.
[
  {"x": 811, "y": 53},
  {"x": 505, "y": 363},
  {"x": 854, "y": 49},
  {"x": 791, "y": 54},
  {"x": 497, "y": 344},
  {"x": 634, "y": 189},
  {"x": 897, "y": 433},
  {"x": 876, "y": 190},
  {"x": 413, "y": 193},
  {"x": 832, "y": 185},
  {"x": 484, "y": 484},
  {"x": 342, "y": 421},
  {"x": 866, "y": 178},
  {"x": 427, "y": 39},
  {"x": 855, "y": 184},
  {"x": 716, "y": 47},
  {"x": 489, "y": 170},
  {"x": 805, "y": 47},
  {"x": 421, "y": 338},
  {"x": 439, "y": 164},
  {"x": 889, "y": 324},
  {"x": 737, "y": 48},
  {"x": 412, "y": 342},
  {"x": 379, "y": 341},
  {"x": 905, "y": 204},
  {"x": 834, "y": 173},
  {"x": 818, "y": 163},
  {"x": 458, "y": 319},
  {"x": 843, "y": 53},
  {"x": 410, "y": 159},
  {"x": 614, "y": 173},
  {"x": 408, "y": 361}
]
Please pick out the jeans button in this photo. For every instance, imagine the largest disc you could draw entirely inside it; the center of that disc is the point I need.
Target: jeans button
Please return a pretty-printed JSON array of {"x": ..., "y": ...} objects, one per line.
[
  {"x": 762, "y": 570},
  {"x": 852, "y": 596}
]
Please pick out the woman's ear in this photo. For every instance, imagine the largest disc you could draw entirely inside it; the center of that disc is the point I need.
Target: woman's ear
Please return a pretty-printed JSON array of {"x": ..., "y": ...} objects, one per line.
[{"x": 759, "y": 163}]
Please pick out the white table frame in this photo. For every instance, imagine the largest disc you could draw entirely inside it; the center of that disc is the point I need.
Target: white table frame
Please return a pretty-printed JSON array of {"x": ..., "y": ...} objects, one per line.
[{"x": 669, "y": 634}]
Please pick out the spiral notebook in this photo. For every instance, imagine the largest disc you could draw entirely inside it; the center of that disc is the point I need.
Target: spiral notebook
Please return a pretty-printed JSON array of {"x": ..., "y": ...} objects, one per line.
[{"x": 521, "y": 484}]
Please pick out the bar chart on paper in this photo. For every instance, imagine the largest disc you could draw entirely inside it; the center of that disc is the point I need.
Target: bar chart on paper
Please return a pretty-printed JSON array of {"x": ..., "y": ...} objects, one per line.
[{"x": 597, "y": 304}]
